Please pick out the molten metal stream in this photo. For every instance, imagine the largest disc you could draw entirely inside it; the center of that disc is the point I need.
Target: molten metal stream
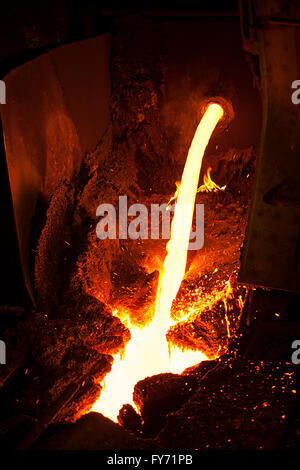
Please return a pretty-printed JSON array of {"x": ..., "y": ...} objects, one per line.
[{"x": 147, "y": 353}]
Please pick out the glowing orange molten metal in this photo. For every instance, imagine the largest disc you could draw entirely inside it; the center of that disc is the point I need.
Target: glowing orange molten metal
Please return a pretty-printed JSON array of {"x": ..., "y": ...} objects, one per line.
[
  {"x": 147, "y": 353},
  {"x": 209, "y": 185}
]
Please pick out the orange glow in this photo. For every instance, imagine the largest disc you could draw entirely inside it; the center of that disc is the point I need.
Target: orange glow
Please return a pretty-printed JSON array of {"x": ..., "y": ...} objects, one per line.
[
  {"x": 148, "y": 352},
  {"x": 209, "y": 185}
]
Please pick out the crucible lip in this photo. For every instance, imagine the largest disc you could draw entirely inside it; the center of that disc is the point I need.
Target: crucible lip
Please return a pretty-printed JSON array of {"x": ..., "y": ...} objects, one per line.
[{"x": 226, "y": 104}]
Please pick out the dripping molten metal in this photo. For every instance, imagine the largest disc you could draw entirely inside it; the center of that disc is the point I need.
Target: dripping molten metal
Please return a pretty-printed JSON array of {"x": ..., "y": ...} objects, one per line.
[{"x": 148, "y": 352}]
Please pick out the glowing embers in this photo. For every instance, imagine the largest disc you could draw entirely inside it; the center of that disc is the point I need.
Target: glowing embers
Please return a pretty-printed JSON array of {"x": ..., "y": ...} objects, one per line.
[{"x": 148, "y": 352}]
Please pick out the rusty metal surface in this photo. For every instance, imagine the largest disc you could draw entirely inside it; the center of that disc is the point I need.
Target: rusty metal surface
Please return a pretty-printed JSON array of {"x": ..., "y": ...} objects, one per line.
[
  {"x": 271, "y": 252},
  {"x": 57, "y": 109}
]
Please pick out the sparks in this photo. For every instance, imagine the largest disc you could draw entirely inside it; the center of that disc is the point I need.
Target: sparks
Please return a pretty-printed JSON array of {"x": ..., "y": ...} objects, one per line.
[{"x": 148, "y": 352}]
